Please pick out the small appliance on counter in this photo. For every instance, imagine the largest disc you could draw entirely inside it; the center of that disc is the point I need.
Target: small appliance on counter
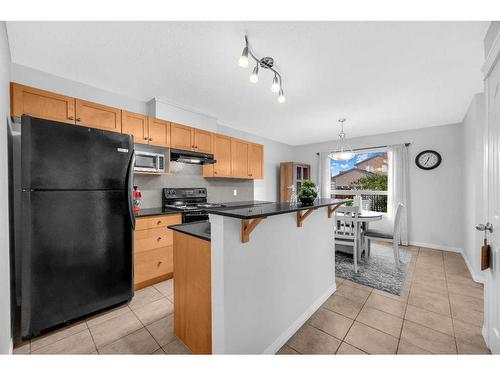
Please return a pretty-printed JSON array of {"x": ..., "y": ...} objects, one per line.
[{"x": 190, "y": 201}]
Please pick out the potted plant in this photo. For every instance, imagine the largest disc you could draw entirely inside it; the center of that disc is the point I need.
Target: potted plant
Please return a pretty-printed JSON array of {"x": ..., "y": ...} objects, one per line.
[{"x": 308, "y": 192}]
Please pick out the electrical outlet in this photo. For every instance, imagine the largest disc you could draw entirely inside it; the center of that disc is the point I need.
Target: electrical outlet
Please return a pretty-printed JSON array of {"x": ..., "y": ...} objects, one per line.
[{"x": 235, "y": 192}]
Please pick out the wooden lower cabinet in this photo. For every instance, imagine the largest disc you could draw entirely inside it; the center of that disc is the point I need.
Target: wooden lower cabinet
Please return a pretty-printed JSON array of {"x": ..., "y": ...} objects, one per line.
[
  {"x": 153, "y": 249},
  {"x": 193, "y": 292}
]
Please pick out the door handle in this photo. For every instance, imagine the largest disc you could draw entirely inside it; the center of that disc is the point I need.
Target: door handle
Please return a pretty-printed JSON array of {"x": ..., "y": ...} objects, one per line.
[{"x": 485, "y": 227}]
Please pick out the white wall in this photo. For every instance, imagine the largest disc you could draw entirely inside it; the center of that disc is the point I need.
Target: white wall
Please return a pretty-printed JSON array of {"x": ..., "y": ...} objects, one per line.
[
  {"x": 5, "y": 332},
  {"x": 436, "y": 197},
  {"x": 473, "y": 133}
]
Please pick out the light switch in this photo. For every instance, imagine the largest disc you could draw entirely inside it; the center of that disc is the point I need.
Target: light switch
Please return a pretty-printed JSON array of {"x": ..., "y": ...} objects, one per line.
[{"x": 235, "y": 192}]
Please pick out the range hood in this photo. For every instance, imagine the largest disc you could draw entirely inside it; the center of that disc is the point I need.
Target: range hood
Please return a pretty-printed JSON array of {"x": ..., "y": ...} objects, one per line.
[{"x": 191, "y": 157}]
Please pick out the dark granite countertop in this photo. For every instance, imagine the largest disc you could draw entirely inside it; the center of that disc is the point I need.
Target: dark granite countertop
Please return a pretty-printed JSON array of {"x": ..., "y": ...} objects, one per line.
[
  {"x": 156, "y": 211},
  {"x": 200, "y": 229},
  {"x": 231, "y": 205},
  {"x": 270, "y": 209}
]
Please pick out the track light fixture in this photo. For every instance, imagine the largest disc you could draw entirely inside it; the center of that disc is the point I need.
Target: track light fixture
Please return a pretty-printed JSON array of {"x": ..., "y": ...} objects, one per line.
[
  {"x": 264, "y": 63},
  {"x": 254, "y": 77}
]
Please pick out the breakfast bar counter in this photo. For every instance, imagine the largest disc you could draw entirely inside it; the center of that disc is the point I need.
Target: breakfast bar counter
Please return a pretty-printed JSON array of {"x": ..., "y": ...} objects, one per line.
[{"x": 264, "y": 271}]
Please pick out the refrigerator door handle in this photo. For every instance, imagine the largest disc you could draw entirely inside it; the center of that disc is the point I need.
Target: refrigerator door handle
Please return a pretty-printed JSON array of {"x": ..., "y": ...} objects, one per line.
[{"x": 130, "y": 187}]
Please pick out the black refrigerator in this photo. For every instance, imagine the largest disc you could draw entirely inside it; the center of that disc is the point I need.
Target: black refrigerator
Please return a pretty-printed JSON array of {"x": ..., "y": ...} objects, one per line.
[{"x": 73, "y": 221}]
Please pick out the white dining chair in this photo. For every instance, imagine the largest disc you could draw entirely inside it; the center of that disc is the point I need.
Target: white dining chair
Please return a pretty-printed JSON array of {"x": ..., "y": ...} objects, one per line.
[
  {"x": 348, "y": 230},
  {"x": 393, "y": 237}
]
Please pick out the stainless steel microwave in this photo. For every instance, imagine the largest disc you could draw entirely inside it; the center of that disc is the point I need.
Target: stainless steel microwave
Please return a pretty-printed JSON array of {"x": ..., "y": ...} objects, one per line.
[{"x": 146, "y": 161}]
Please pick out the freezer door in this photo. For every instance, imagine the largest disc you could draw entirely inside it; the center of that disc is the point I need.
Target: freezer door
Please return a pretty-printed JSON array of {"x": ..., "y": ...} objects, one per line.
[
  {"x": 77, "y": 255},
  {"x": 57, "y": 156}
]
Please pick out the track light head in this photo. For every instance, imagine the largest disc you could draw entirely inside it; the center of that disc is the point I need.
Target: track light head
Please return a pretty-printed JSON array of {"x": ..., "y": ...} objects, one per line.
[
  {"x": 243, "y": 60},
  {"x": 281, "y": 97},
  {"x": 254, "y": 77},
  {"x": 275, "y": 87}
]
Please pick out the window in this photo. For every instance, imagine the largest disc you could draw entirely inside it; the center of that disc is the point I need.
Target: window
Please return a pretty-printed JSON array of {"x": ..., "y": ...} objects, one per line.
[{"x": 366, "y": 174}]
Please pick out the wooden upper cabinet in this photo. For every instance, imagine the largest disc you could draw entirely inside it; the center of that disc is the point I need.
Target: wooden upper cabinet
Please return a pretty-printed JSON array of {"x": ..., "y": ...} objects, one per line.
[
  {"x": 181, "y": 136},
  {"x": 203, "y": 141},
  {"x": 26, "y": 100},
  {"x": 136, "y": 125},
  {"x": 159, "y": 132},
  {"x": 98, "y": 116},
  {"x": 255, "y": 161},
  {"x": 239, "y": 158},
  {"x": 222, "y": 154}
]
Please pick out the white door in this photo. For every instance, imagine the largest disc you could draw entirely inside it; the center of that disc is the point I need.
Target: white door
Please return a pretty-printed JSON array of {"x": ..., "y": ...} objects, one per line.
[{"x": 492, "y": 287}]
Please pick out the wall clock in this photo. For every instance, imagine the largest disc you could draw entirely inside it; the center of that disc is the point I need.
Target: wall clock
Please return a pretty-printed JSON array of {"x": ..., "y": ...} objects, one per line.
[{"x": 428, "y": 159}]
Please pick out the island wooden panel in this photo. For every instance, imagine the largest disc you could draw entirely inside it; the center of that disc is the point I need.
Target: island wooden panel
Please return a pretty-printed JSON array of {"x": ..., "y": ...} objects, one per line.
[{"x": 193, "y": 293}]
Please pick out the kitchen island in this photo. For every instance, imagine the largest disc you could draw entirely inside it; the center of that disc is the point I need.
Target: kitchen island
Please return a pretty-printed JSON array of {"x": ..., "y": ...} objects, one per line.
[{"x": 270, "y": 267}]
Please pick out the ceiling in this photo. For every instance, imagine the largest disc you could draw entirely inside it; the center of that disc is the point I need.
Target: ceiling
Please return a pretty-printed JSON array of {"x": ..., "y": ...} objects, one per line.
[{"x": 381, "y": 76}]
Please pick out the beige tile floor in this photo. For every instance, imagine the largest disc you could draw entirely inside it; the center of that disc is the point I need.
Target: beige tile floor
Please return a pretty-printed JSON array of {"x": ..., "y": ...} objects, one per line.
[
  {"x": 143, "y": 326},
  {"x": 439, "y": 311}
]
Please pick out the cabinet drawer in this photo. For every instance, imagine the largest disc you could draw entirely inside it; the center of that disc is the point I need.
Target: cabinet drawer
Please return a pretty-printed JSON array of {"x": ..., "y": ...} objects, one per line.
[
  {"x": 148, "y": 239},
  {"x": 153, "y": 263},
  {"x": 156, "y": 221}
]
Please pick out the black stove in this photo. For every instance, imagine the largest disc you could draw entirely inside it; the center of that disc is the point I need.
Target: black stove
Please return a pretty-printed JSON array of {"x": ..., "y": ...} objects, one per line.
[{"x": 189, "y": 201}]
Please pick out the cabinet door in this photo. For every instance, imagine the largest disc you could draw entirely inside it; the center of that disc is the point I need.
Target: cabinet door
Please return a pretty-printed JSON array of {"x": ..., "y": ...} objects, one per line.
[
  {"x": 159, "y": 132},
  {"x": 239, "y": 158},
  {"x": 98, "y": 116},
  {"x": 181, "y": 136},
  {"x": 222, "y": 154},
  {"x": 47, "y": 105},
  {"x": 136, "y": 125},
  {"x": 255, "y": 161},
  {"x": 203, "y": 141}
]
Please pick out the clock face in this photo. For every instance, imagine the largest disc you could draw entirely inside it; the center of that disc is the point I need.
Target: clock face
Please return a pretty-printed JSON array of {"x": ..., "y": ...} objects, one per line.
[{"x": 428, "y": 159}]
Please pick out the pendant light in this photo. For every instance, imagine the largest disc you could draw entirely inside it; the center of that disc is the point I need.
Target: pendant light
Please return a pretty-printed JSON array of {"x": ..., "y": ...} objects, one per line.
[{"x": 345, "y": 151}]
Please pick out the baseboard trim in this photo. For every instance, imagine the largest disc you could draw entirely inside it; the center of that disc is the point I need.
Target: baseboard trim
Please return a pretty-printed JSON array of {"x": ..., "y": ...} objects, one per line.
[
  {"x": 290, "y": 331},
  {"x": 437, "y": 247},
  {"x": 477, "y": 278}
]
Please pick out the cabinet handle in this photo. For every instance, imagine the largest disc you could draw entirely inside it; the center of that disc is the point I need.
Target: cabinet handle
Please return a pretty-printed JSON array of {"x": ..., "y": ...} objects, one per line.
[
  {"x": 71, "y": 118},
  {"x": 158, "y": 239},
  {"x": 78, "y": 119},
  {"x": 159, "y": 263},
  {"x": 215, "y": 172},
  {"x": 158, "y": 222},
  {"x": 145, "y": 138},
  {"x": 150, "y": 139}
]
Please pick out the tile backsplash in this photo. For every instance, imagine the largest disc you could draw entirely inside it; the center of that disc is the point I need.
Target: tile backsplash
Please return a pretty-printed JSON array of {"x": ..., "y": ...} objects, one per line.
[{"x": 191, "y": 175}]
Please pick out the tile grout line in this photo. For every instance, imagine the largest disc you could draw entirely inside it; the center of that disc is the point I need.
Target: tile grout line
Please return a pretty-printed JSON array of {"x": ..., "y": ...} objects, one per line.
[
  {"x": 147, "y": 330},
  {"x": 354, "y": 321},
  {"x": 92, "y": 336},
  {"x": 449, "y": 304}
]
